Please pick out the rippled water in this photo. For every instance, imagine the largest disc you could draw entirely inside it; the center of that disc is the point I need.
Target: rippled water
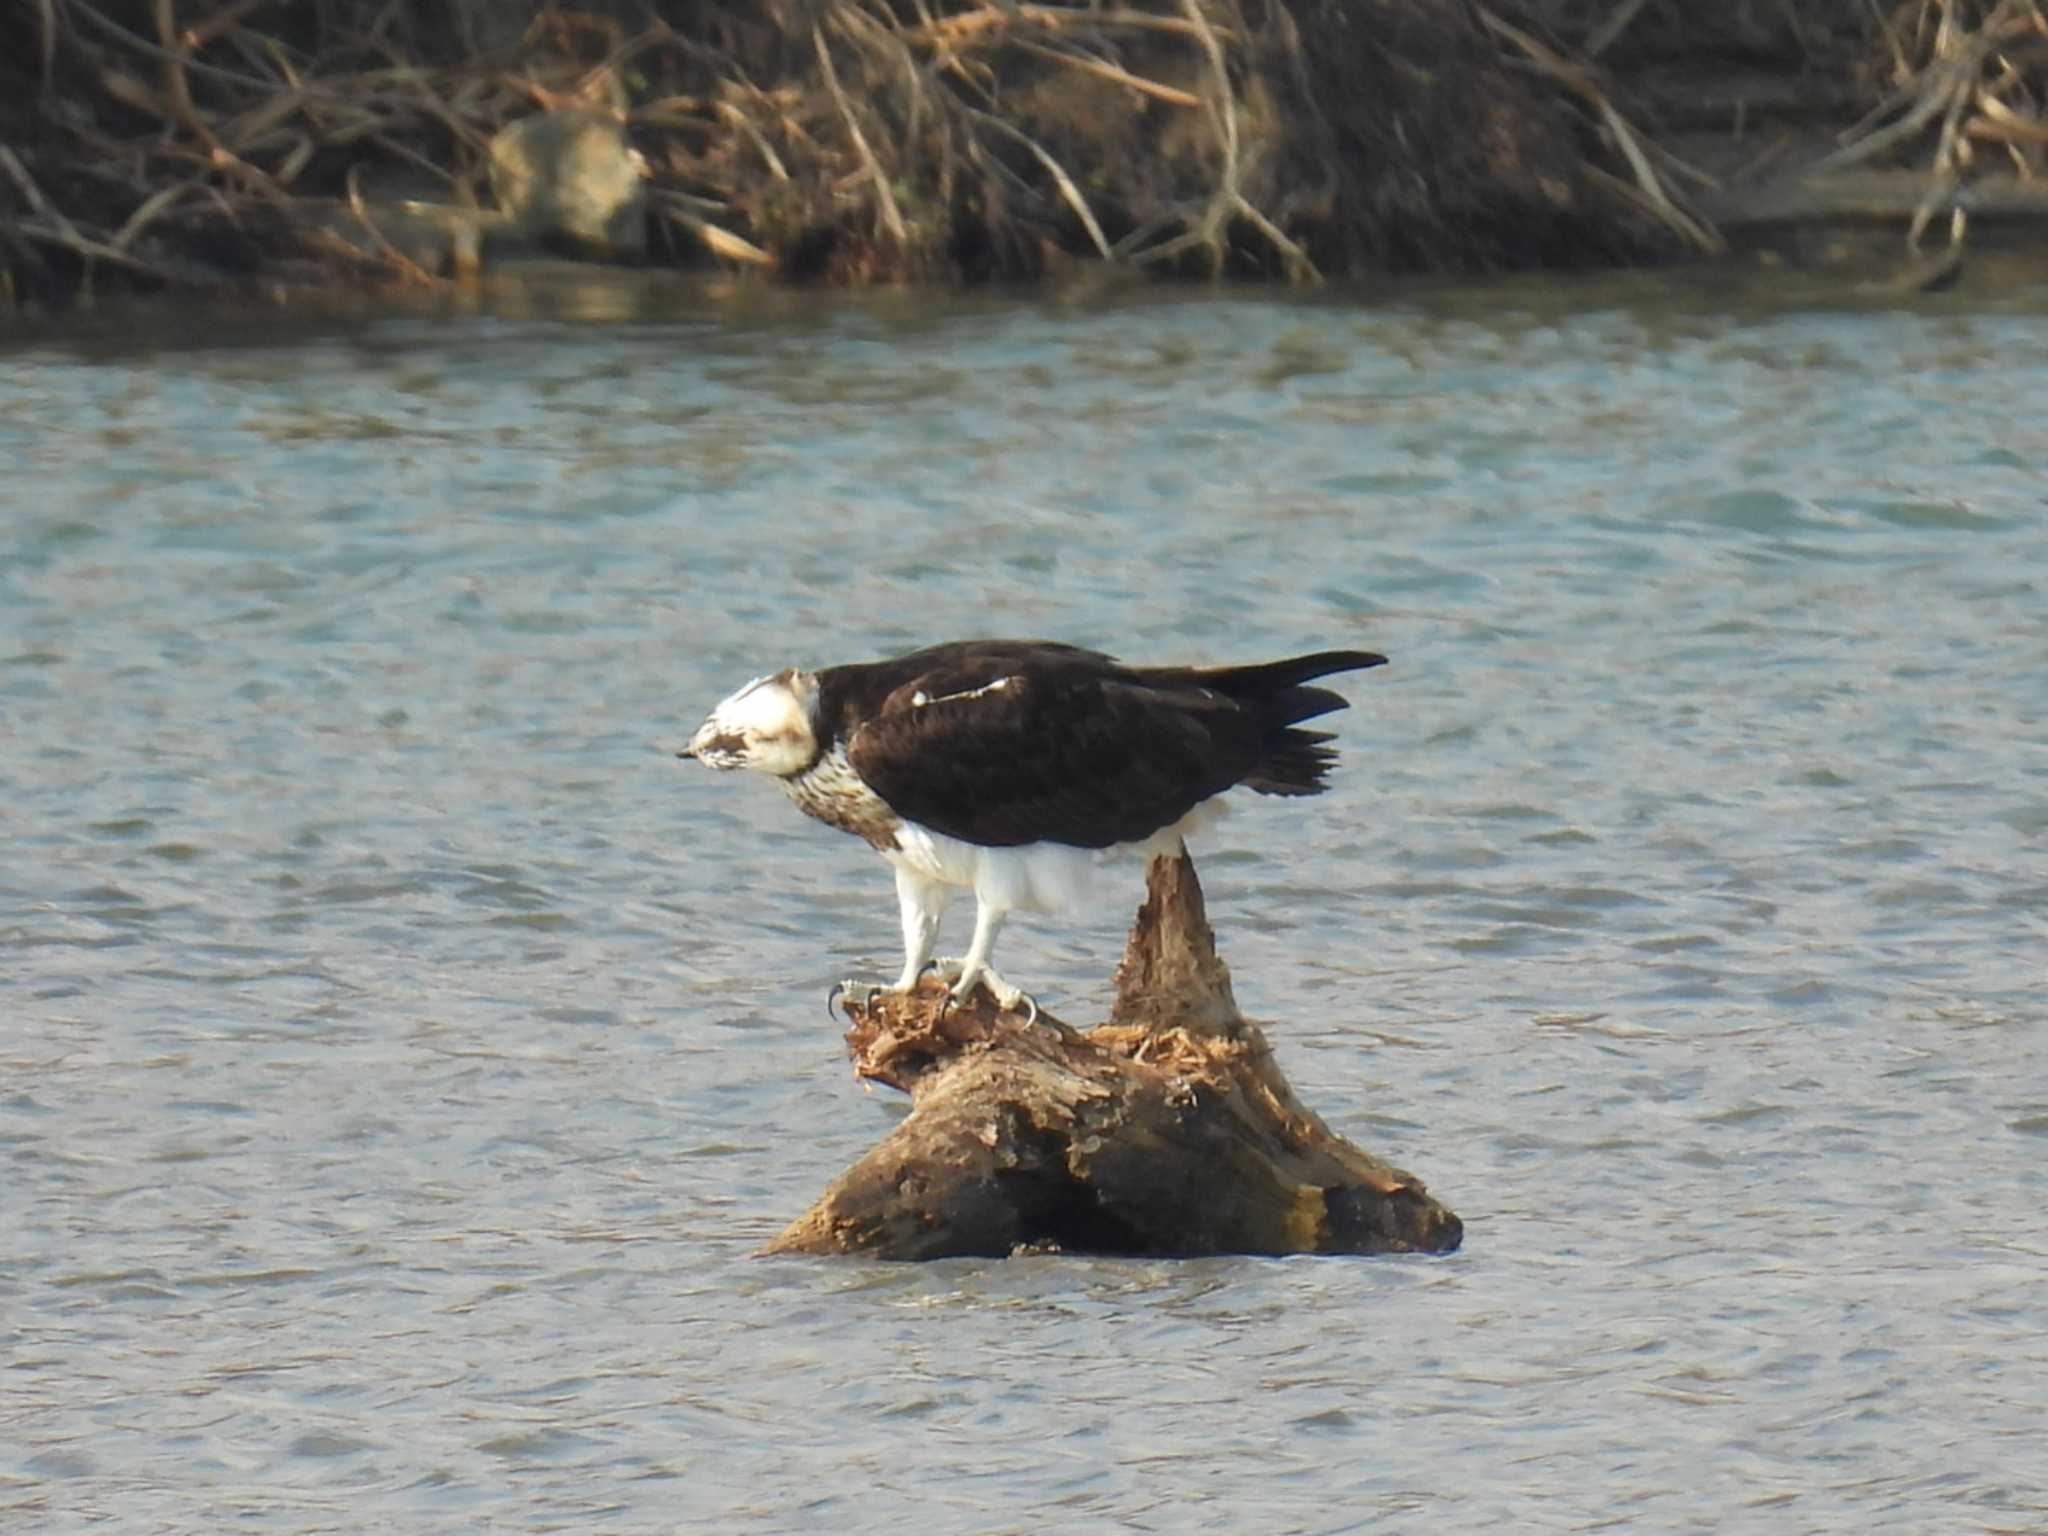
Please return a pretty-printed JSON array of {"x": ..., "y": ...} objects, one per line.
[{"x": 403, "y": 1054}]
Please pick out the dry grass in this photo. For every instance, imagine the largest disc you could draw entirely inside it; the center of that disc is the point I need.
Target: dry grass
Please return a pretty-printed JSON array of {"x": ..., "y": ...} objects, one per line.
[
  {"x": 1964, "y": 76},
  {"x": 849, "y": 140}
]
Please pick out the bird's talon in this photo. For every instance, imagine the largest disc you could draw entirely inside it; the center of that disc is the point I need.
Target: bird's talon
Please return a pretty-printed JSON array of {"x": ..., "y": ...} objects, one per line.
[
  {"x": 854, "y": 994},
  {"x": 1015, "y": 1000}
]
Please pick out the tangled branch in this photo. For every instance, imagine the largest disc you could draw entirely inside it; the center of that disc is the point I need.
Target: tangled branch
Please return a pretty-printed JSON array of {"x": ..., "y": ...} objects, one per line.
[{"x": 848, "y": 139}]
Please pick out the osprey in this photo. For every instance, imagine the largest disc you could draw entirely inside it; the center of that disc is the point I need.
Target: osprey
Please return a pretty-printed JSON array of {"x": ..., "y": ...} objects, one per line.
[{"x": 1016, "y": 768}]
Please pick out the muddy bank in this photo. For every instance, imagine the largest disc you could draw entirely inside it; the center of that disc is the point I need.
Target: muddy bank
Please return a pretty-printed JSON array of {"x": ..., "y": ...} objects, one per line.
[{"x": 171, "y": 144}]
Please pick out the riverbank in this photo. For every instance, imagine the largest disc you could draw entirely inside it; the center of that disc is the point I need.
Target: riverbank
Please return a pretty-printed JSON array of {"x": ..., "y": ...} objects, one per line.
[{"x": 278, "y": 146}]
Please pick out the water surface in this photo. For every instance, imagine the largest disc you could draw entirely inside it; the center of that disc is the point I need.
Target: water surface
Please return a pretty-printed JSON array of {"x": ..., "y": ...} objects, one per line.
[{"x": 404, "y": 1055}]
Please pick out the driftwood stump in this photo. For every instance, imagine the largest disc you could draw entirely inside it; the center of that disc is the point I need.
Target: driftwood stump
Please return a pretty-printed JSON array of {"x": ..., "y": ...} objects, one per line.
[{"x": 1167, "y": 1131}]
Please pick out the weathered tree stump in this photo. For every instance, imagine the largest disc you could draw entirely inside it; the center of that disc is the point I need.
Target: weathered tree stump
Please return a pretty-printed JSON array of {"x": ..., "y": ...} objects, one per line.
[{"x": 1167, "y": 1131}]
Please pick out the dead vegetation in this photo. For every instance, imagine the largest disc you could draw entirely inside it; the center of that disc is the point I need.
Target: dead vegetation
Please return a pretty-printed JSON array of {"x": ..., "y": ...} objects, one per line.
[
  {"x": 1969, "y": 75},
  {"x": 853, "y": 140},
  {"x": 1919, "y": 114},
  {"x": 168, "y": 142}
]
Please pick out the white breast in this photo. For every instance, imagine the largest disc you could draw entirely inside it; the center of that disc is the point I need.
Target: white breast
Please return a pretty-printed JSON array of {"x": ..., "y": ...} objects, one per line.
[{"x": 1037, "y": 877}]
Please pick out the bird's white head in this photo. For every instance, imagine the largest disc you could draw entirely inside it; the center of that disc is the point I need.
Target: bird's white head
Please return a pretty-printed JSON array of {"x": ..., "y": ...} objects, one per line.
[{"x": 769, "y": 725}]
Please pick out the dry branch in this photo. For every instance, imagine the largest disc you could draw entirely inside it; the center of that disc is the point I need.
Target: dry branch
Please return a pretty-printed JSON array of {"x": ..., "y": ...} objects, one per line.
[
  {"x": 973, "y": 26},
  {"x": 1059, "y": 175},
  {"x": 400, "y": 262},
  {"x": 154, "y": 206},
  {"x": 1114, "y": 73},
  {"x": 722, "y": 243},
  {"x": 1934, "y": 98},
  {"x": 1580, "y": 81},
  {"x": 892, "y": 217},
  {"x": 1961, "y": 75},
  {"x": 18, "y": 174}
]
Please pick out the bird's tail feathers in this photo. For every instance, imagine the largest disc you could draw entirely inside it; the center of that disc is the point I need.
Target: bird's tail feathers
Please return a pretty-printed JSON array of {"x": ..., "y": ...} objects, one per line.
[
  {"x": 1292, "y": 705},
  {"x": 1294, "y": 762},
  {"x": 1279, "y": 682}
]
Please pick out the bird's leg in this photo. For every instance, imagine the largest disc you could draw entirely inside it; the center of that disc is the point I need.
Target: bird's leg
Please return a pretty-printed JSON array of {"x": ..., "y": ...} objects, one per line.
[
  {"x": 988, "y": 922},
  {"x": 923, "y": 903}
]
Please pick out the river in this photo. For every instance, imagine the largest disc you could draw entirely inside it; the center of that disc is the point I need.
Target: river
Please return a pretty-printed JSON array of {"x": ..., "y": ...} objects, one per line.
[{"x": 404, "y": 1054}]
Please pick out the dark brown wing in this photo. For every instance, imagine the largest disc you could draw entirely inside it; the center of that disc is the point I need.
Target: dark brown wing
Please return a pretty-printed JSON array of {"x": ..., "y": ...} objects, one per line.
[
  {"x": 851, "y": 694},
  {"x": 1051, "y": 752}
]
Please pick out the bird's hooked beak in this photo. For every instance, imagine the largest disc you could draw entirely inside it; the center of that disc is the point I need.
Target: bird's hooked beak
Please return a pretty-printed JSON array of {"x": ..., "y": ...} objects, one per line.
[{"x": 714, "y": 745}]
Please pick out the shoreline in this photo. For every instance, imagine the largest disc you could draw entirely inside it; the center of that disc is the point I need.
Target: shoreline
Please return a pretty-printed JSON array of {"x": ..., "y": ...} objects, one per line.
[{"x": 855, "y": 144}]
